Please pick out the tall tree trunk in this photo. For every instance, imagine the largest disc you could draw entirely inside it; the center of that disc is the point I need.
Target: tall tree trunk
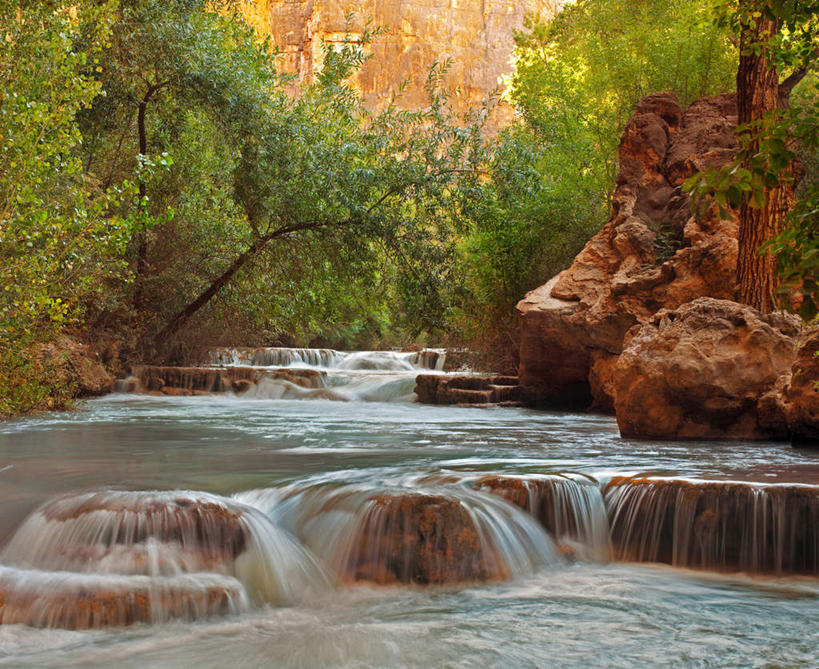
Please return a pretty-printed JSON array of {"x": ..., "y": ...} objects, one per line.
[
  {"x": 757, "y": 95},
  {"x": 205, "y": 296}
]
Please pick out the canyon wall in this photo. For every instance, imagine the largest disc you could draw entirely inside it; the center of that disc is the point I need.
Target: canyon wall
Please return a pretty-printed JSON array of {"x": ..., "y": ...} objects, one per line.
[{"x": 478, "y": 35}]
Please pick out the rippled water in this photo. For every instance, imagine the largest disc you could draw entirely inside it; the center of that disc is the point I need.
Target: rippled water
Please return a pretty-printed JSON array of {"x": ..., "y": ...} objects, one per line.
[{"x": 562, "y": 615}]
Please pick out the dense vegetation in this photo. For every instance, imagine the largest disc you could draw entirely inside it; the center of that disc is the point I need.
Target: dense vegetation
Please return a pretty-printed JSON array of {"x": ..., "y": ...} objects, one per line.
[{"x": 161, "y": 188}]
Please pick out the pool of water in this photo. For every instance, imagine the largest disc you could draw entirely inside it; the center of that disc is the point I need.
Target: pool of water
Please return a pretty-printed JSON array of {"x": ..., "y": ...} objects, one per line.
[{"x": 567, "y": 614}]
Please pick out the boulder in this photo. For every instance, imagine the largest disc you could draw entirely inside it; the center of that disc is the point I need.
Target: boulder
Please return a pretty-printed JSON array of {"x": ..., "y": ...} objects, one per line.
[
  {"x": 802, "y": 394},
  {"x": 701, "y": 372},
  {"x": 651, "y": 254}
]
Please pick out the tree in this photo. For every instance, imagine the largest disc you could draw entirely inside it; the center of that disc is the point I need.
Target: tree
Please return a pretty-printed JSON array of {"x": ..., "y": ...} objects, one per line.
[
  {"x": 60, "y": 239},
  {"x": 774, "y": 35},
  {"x": 758, "y": 98}
]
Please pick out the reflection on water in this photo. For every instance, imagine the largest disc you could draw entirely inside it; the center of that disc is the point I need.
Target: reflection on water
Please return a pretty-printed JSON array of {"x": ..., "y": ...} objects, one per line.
[{"x": 562, "y": 615}]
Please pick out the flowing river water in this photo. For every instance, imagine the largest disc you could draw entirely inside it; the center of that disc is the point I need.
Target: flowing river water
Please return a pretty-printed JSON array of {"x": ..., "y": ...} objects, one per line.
[{"x": 301, "y": 503}]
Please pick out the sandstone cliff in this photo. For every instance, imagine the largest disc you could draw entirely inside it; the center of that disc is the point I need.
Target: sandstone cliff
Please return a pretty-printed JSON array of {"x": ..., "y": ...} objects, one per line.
[{"x": 476, "y": 34}]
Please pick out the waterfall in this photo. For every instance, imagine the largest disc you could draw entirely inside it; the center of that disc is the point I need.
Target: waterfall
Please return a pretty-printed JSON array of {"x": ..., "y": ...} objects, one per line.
[
  {"x": 291, "y": 374},
  {"x": 125, "y": 557},
  {"x": 409, "y": 535},
  {"x": 429, "y": 359},
  {"x": 570, "y": 507},
  {"x": 118, "y": 558},
  {"x": 726, "y": 526}
]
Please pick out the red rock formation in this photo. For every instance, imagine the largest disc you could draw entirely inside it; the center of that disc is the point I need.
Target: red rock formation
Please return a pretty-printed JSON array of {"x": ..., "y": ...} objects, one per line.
[
  {"x": 418, "y": 538},
  {"x": 574, "y": 325},
  {"x": 802, "y": 395},
  {"x": 700, "y": 371}
]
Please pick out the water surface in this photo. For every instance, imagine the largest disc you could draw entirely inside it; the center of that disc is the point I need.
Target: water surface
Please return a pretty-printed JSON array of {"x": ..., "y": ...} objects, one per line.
[{"x": 571, "y": 614}]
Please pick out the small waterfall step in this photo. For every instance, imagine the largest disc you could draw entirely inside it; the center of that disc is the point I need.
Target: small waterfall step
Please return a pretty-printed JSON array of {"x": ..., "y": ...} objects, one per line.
[
  {"x": 715, "y": 525},
  {"x": 161, "y": 380},
  {"x": 468, "y": 390}
]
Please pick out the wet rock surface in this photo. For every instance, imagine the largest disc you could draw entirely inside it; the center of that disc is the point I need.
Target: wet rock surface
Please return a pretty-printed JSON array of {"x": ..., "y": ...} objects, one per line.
[
  {"x": 420, "y": 538},
  {"x": 701, "y": 372},
  {"x": 651, "y": 254},
  {"x": 467, "y": 390}
]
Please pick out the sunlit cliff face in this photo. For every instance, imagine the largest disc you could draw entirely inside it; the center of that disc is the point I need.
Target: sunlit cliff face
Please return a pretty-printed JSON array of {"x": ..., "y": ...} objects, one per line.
[{"x": 478, "y": 35}]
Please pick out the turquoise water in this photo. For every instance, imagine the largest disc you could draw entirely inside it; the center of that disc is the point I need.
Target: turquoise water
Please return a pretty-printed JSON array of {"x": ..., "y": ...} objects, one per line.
[{"x": 565, "y": 614}]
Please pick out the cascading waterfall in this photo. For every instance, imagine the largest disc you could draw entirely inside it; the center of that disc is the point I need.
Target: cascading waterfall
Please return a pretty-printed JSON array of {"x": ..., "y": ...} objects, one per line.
[
  {"x": 275, "y": 357},
  {"x": 115, "y": 558},
  {"x": 126, "y": 557},
  {"x": 429, "y": 359},
  {"x": 725, "y": 526},
  {"x": 298, "y": 373},
  {"x": 408, "y": 534},
  {"x": 569, "y": 506}
]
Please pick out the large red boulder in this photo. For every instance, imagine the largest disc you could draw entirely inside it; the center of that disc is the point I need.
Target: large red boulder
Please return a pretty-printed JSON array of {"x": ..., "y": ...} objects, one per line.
[
  {"x": 700, "y": 372},
  {"x": 652, "y": 253},
  {"x": 802, "y": 394}
]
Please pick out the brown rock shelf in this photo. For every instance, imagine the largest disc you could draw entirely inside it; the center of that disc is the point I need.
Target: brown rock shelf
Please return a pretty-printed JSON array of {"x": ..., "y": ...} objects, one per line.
[
  {"x": 155, "y": 379},
  {"x": 469, "y": 390}
]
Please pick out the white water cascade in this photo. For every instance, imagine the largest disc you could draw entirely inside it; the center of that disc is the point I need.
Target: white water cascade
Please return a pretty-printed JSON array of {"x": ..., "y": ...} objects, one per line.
[
  {"x": 377, "y": 376},
  {"x": 114, "y": 558}
]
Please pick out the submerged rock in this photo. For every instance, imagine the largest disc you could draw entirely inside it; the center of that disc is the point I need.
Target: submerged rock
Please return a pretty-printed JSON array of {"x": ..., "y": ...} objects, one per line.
[
  {"x": 715, "y": 525},
  {"x": 651, "y": 254},
  {"x": 701, "y": 371}
]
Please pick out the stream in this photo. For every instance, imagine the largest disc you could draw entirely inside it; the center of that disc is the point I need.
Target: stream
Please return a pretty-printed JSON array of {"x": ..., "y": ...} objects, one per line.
[{"x": 310, "y": 487}]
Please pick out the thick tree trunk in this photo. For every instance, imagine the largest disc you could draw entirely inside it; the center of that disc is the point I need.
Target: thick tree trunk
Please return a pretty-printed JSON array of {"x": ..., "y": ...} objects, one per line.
[
  {"x": 142, "y": 234},
  {"x": 758, "y": 94}
]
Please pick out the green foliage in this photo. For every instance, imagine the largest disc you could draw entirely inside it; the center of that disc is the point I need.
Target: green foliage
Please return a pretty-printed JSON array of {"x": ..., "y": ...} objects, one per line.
[
  {"x": 58, "y": 241},
  {"x": 547, "y": 183},
  {"x": 580, "y": 75},
  {"x": 797, "y": 248}
]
